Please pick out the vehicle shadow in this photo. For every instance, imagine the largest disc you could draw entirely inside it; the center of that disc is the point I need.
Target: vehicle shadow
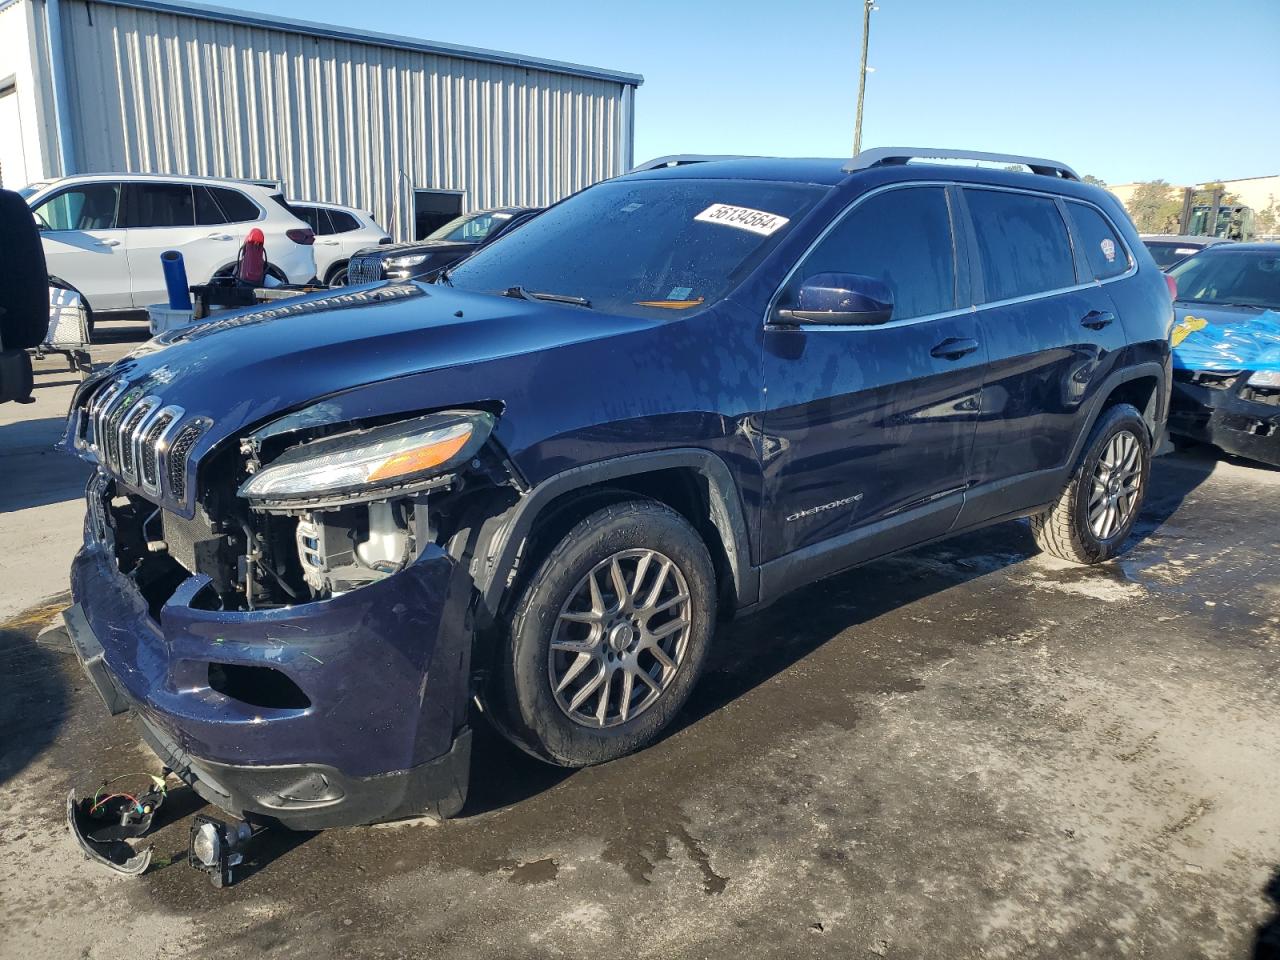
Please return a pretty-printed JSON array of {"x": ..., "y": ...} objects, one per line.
[
  {"x": 1266, "y": 942},
  {"x": 34, "y": 694},
  {"x": 35, "y": 473}
]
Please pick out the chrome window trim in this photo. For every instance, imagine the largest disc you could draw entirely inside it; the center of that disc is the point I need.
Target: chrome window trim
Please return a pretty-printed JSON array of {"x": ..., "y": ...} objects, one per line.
[{"x": 959, "y": 311}]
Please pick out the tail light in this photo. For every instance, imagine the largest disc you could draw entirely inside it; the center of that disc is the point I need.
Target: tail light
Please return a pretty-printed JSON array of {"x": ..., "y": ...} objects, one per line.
[
  {"x": 1173, "y": 286},
  {"x": 303, "y": 235}
]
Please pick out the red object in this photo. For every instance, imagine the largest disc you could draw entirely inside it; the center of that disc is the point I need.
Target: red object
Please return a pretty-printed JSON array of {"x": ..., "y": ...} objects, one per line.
[
  {"x": 252, "y": 267},
  {"x": 1173, "y": 286},
  {"x": 305, "y": 236}
]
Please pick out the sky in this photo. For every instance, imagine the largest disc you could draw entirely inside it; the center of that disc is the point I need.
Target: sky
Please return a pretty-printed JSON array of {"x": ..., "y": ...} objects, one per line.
[{"x": 1124, "y": 90}]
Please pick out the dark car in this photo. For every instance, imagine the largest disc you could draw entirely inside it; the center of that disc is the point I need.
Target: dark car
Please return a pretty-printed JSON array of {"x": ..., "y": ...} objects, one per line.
[
  {"x": 24, "y": 297},
  {"x": 1167, "y": 250},
  {"x": 458, "y": 238},
  {"x": 1237, "y": 410},
  {"x": 542, "y": 482}
]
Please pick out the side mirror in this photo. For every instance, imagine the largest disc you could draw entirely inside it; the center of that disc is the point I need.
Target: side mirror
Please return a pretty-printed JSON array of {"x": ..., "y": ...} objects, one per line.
[{"x": 839, "y": 298}]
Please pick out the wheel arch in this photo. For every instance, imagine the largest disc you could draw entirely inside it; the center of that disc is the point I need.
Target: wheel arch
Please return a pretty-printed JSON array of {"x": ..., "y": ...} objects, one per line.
[
  {"x": 1145, "y": 385},
  {"x": 695, "y": 483},
  {"x": 339, "y": 264}
]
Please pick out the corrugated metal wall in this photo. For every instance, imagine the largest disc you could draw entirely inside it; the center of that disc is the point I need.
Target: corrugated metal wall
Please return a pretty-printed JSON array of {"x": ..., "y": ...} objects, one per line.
[{"x": 336, "y": 120}]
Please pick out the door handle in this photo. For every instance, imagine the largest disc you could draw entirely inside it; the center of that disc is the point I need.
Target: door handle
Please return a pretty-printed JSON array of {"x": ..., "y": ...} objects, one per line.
[
  {"x": 108, "y": 243},
  {"x": 953, "y": 348},
  {"x": 330, "y": 243},
  {"x": 1097, "y": 319},
  {"x": 220, "y": 236}
]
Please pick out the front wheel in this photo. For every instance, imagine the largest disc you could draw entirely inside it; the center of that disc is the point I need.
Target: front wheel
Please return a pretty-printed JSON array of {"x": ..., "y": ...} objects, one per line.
[
  {"x": 1095, "y": 513},
  {"x": 609, "y": 635}
]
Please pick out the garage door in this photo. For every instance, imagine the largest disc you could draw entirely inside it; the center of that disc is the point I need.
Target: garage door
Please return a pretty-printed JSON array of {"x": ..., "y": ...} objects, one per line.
[{"x": 13, "y": 160}]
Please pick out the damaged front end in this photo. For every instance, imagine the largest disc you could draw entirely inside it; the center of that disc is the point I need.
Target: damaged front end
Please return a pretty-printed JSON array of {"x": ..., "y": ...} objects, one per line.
[{"x": 283, "y": 614}]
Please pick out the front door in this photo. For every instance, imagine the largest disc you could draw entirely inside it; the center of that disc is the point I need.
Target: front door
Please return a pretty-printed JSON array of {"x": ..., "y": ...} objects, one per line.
[
  {"x": 867, "y": 429},
  {"x": 82, "y": 244}
]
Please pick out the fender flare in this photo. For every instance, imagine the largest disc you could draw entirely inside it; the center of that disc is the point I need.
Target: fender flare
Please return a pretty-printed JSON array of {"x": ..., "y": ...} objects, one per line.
[
  {"x": 1150, "y": 368},
  {"x": 726, "y": 514}
]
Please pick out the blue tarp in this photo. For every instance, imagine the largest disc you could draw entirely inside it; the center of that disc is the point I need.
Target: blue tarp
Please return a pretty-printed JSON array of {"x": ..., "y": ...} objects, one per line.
[{"x": 1250, "y": 344}]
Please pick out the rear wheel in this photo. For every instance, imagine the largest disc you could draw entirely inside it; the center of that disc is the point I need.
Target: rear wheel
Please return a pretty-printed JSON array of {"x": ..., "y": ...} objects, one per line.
[
  {"x": 1096, "y": 511},
  {"x": 338, "y": 276},
  {"x": 609, "y": 635}
]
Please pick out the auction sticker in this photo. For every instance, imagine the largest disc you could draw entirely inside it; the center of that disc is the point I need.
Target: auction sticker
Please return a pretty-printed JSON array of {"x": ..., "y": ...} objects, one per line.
[{"x": 744, "y": 218}]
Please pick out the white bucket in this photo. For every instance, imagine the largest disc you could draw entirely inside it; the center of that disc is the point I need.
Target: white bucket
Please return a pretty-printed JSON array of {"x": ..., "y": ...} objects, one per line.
[{"x": 163, "y": 317}]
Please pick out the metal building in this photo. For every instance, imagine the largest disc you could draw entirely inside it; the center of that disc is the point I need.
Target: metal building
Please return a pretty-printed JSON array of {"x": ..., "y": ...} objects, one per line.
[{"x": 402, "y": 127}]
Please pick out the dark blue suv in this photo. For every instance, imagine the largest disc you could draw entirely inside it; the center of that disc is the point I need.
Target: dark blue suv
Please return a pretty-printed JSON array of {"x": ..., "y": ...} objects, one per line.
[{"x": 318, "y": 531}]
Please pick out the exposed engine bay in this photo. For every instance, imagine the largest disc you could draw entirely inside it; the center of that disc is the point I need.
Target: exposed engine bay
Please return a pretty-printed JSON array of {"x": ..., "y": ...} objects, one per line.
[{"x": 285, "y": 546}]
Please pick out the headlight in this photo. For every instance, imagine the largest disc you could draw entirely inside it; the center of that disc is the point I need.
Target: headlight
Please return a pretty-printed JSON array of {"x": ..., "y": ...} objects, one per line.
[
  {"x": 367, "y": 464},
  {"x": 1265, "y": 378},
  {"x": 412, "y": 260}
]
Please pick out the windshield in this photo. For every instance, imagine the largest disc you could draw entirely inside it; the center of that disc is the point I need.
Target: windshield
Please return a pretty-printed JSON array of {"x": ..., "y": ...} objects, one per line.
[
  {"x": 1167, "y": 254},
  {"x": 469, "y": 228},
  {"x": 642, "y": 247},
  {"x": 1249, "y": 278}
]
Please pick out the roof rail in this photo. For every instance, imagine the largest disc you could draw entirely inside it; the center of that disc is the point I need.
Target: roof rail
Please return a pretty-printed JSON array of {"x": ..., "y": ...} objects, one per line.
[
  {"x": 893, "y": 156},
  {"x": 680, "y": 159}
]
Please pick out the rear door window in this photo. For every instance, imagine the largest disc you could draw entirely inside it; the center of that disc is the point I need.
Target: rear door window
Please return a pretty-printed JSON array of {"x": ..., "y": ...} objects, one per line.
[
  {"x": 235, "y": 205},
  {"x": 308, "y": 215},
  {"x": 1102, "y": 247},
  {"x": 208, "y": 213},
  {"x": 91, "y": 206},
  {"x": 902, "y": 237},
  {"x": 343, "y": 222},
  {"x": 1023, "y": 243},
  {"x": 158, "y": 205}
]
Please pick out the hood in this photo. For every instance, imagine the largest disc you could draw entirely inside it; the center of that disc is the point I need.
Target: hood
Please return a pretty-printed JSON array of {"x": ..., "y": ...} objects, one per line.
[
  {"x": 1218, "y": 338},
  {"x": 243, "y": 369},
  {"x": 416, "y": 246}
]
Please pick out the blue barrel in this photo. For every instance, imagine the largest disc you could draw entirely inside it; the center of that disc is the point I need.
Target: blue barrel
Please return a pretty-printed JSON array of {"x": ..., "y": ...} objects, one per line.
[{"x": 175, "y": 280}]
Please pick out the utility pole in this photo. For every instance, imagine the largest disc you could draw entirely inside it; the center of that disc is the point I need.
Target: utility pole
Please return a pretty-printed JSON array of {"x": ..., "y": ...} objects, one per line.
[{"x": 867, "y": 7}]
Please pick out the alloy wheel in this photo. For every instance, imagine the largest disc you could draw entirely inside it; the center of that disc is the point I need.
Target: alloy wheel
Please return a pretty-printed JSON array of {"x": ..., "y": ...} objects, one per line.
[
  {"x": 620, "y": 638},
  {"x": 1115, "y": 485}
]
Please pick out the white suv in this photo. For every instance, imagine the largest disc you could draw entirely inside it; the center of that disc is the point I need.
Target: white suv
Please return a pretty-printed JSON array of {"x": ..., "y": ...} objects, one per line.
[
  {"x": 340, "y": 232},
  {"x": 103, "y": 233}
]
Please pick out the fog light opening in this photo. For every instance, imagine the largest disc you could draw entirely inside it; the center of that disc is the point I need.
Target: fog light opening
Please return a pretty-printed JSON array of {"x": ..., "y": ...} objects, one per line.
[{"x": 257, "y": 686}]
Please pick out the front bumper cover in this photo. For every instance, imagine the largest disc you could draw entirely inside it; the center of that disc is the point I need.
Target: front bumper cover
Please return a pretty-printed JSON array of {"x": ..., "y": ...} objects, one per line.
[
  {"x": 386, "y": 669},
  {"x": 1220, "y": 415}
]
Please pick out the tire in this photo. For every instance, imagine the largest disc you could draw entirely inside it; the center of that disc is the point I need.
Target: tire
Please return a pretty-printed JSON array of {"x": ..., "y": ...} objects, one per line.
[
  {"x": 1066, "y": 529},
  {"x": 550, "y": 723},
  {"x": 24, "y": 293},
  {"x": 337, "y": 276}
]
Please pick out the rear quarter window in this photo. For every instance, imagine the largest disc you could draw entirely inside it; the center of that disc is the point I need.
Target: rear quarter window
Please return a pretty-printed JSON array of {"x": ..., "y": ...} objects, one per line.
[
  {"x": 1023, "y": 243},
  {"x": 1103, "y": 249}
]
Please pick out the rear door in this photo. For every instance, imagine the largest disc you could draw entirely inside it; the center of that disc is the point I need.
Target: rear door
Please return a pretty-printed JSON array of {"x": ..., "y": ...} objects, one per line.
[
  {"x": 1052, "y": 335},
  {"x": 83, "y": 244},
  {"x": 160, "y": 216},
  {"x": 869, "y": 428}
]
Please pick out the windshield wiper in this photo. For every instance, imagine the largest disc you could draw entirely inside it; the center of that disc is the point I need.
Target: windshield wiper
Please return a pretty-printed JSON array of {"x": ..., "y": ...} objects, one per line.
[{"x": 520, "y": 293}]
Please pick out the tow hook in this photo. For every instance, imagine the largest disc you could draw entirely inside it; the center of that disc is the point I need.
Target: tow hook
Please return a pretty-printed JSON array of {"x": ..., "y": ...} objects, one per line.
[{"x": 104, "y": 823}]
